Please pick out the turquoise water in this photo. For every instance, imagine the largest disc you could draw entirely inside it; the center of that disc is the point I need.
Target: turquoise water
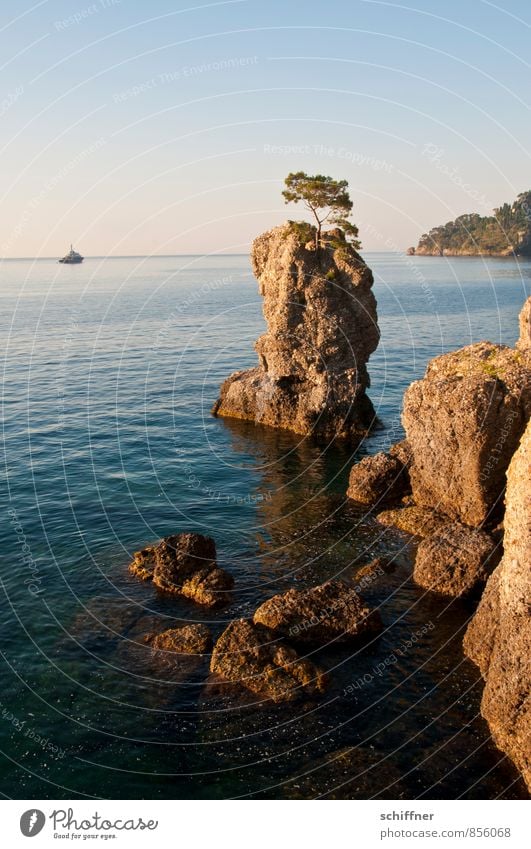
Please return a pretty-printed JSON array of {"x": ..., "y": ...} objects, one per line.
[{"x": 110, "y": 372}]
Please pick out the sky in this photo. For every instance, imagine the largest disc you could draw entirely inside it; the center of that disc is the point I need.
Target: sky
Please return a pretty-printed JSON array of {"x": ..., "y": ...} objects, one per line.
[{"x": 168, "y": 127}]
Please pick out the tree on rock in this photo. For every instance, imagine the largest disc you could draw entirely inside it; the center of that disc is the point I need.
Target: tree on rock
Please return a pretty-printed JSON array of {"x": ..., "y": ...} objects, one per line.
[{"x": 327, "y": 199}]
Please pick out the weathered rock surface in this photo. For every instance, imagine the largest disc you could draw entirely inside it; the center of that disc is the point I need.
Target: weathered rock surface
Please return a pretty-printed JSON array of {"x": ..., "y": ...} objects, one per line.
[
  {"x": 180, "y": 557},
  {"x": 211, "y": 587},
  {"x": 524, "y": 340},
  {"x": 144, "y": 562},
  {"x": 322, "y": 328},
  {"x": 402, "y": 451},
  {"x": 481, "y": 633},
  {"x": 418, "y": 521},
  {"x": 499, "y": 637},
  {"x": 188, "y": 639},
  {"x": 252, "y": 656},
  {"x": 463, "y": 422},
  {"x": 455, "y": 560},
  {"x": 185, "y": 564},
  {"x": 331, "y": 612},
  {"x": 382, "y": 477}
]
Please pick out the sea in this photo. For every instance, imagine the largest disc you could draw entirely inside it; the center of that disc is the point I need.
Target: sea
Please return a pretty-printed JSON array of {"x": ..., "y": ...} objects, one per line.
[{"x": 110, "y": 370}]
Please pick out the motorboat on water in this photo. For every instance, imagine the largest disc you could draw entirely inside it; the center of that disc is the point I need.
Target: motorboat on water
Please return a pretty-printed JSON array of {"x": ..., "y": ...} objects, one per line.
[{"x": 72, "y": 257}]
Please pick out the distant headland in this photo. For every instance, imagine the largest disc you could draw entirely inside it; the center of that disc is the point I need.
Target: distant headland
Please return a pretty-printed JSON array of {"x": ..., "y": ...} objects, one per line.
[{"x": 505, "y": 233}]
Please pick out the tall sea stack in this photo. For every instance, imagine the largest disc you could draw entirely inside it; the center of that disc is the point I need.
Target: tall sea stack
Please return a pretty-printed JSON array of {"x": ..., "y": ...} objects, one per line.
[{"x": 321, "y": 330}]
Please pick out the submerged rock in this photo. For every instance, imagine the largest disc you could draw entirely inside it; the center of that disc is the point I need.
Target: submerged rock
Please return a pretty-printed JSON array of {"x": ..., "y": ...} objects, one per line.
[
  {"x": 378, "y": 566},
  {"x": 353, "y": 772},
  {"x": 321, "y": 329},
  {"x": 102, "y": 623},
  {"x": 178, "y": 655},
  {"x": 463, "y": 422},
  {"x": 188, "y": 639},
  {"x": 252, "y": 656},
  {"x": 418, "y": 521},
  {"x": 382, "y": 477},
  {"x": 498, "y": 638},
  {"x": 185, "y": 564},
  {"x": 455, "y": 560},
  {"x": 331, "y": 612}
]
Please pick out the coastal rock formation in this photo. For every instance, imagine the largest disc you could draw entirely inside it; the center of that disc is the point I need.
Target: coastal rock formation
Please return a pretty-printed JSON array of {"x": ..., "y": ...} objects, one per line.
[
  {"x": 498, "y": 639},
  {"x": 188, "y": 639},
  {"x": 381, "y": 477},
  {"x": 402, "y": 452},
  {"x": 463, "y": 422},
  {"x": 143, "y": 565},
  {"x": 252, "y": 656},
  {"x": 524, "y": 341},
  {"x": 321, "y": 329},
  {"x": 185, "y": 564},
  {"x": 481, "y": 633},
  {"x": 418, "y": 521},
  {"x": 210, "y": 587},
  {"x": 331, "y": 612},
  {"x": 455, "y": 560},
  {"x": 506, "y": 233}
]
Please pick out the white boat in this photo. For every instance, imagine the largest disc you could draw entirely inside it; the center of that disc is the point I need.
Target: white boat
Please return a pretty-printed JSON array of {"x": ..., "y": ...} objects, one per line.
[{"x": 72, "y": 257}]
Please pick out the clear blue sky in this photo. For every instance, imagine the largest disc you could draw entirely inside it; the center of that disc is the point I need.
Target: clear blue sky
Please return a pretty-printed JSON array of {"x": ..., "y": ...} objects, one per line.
[{"x": 167, "y": 127}]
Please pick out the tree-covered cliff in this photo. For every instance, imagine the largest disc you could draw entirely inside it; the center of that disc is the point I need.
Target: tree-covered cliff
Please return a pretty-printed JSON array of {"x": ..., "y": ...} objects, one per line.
[{"x": 505, "y": 233}]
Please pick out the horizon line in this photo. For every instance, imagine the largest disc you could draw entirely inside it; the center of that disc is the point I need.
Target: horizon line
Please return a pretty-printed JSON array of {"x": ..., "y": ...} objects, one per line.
[{"x": 155, "y": 256}]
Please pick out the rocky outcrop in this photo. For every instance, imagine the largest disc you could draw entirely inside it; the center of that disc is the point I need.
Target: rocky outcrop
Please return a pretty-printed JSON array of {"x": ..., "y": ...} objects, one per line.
[
  {"x": 402, "y": 452},
  {"x": 418, "y": 521},
  {"x": 329, "y": 613},
  {"x": 524, "y": 340},
  {"x": 321, "y": 329},
  {"x": 499, "y": 637},
  {"x": 185, "y": 564},
  {"x": 252, "y": 656},
  {"x": 455, "y": 560},
  {"x": 506, "y": 233},
  {"x": 143, "y": 564},
  {"x": 188, "y": 639},
  {"x": 434, "y": 250},
  {"x": 480, "y": 636},
  {"x": 210, "y": 587},
  {"x": 381, "y": 477},
  {"x": 463, "y": 422}
]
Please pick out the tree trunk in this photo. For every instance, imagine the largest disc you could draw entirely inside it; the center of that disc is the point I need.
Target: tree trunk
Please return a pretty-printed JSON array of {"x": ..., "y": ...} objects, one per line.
[
  {"x": 318, "y": 231},
  {"x": 318, "y": 236}
]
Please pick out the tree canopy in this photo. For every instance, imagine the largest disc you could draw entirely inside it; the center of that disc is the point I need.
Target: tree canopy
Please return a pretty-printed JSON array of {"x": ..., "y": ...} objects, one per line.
[
  {"x": 508, "y": 229},
  {"x": 327, "y": 199}
]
